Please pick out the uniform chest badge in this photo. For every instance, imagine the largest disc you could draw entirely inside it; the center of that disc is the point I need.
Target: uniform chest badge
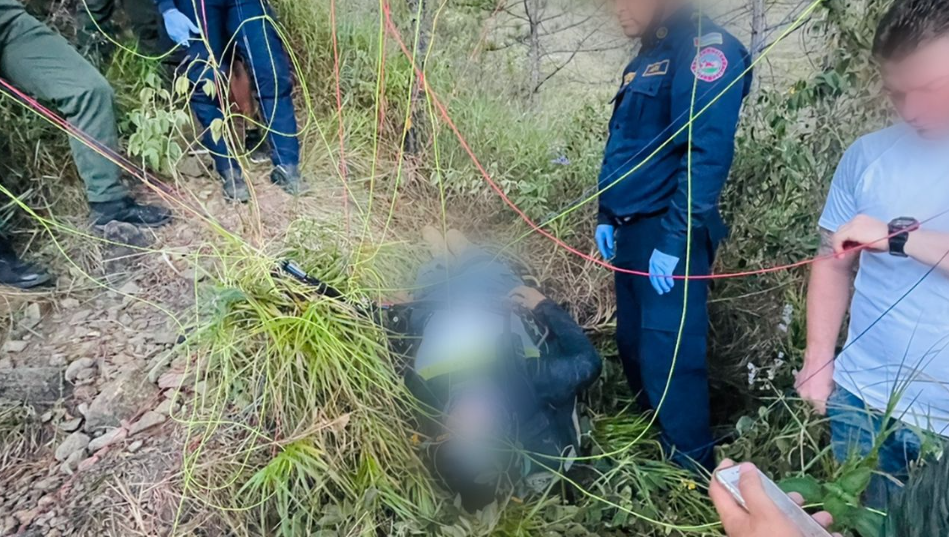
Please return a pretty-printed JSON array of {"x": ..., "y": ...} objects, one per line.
[
  {"x": 657, "y": 69},
  {"x": 628, "y": 79},
  {"x": 710, "y": 65}
]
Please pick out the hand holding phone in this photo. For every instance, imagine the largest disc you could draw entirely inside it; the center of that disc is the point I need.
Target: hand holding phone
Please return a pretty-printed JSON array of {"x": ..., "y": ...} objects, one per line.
[{"x": 751, "y": 505}]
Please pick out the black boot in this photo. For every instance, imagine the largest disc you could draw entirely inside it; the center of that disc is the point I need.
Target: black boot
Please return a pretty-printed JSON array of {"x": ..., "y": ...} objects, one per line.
[
  {"x": 258, "y": 147},
  {"x": 127, "y": 210},
  {"x": 234, "y": 186},
  {"x": 288, "y": 178},
  {"x": 16, "y": 273}
]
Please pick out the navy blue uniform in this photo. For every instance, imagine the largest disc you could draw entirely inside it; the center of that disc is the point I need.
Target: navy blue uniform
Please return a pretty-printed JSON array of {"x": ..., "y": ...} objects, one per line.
[
  {"x": 647, "y": 157},
  {"x": 242, "y": 24}
]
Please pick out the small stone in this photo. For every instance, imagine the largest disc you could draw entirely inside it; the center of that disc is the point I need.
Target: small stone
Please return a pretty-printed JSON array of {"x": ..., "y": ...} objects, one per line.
[
  {"x": 83, "y": 408},
  {"x": 70, "y": 426},
  {"x": 68, "y": 304},
  {"x": 14, "y": 346},
  {"x": 75, "y": 368},
  {"x": 135, "y": 446},
  {"x": 8, "y": 525},
  {"x": 130, "y": 288},
  {"x": 147, "y": 421},
  {"x": 110, "y": 437},
  {"x": 46, "y": 484},
  {"x": 25, "y": 517},
  {"x": 57, "y": 360},
  {"x": 72, "y": 463},
  {"x": 47, "y": 416},
  {"x": 76, "y": 442},
  {"x": 167, "y": 407},
  {"x": 6, "y": 363},
  {"x": 85, "y": 374},
  {"x": 80, "y": 316},
  {"x": 120, "y": 400}
]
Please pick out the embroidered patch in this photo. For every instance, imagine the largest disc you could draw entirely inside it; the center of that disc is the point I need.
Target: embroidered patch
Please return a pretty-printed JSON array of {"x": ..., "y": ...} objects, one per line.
[
  {"x": 657, "y": 69},
  {"x": 710, "y": 65},
  {"x": 628, "y": 78},
  {"x": 708, "y": 40}
]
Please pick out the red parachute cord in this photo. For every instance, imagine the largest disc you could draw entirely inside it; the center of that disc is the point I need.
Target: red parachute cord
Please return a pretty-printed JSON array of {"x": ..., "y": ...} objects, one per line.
[
  {"x": 102, "y": 149},
  {"x": 494, "y": 186},
  {"x": 343, "y": 171}
]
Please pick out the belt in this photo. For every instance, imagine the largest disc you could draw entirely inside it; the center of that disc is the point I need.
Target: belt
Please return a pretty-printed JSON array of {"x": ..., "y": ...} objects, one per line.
[{"x": 620, "y": 221}]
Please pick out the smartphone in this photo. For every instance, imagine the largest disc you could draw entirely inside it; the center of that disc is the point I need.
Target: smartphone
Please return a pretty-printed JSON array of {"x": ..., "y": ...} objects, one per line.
[{"x": 729, "y": 478}]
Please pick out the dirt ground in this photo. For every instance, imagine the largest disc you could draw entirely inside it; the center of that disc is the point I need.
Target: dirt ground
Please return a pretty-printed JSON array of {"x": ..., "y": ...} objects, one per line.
[{"x": 98, "y": 454}]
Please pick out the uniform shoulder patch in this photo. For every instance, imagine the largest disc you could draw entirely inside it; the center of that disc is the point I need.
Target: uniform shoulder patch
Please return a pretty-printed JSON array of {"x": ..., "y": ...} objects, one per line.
[
  {"x": 709, "y": 40},
  {"x": 710, "y": 64},
  {"x": 657, "y": 69},
  {"x": 628, "y": 78}
]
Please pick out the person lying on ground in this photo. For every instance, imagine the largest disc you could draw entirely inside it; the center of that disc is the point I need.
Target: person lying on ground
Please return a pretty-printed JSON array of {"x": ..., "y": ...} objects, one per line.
[
  {"x": 40, "y": 62},
  {"x": 886, "y": 392},
  {"x": 497, "y": 371}
]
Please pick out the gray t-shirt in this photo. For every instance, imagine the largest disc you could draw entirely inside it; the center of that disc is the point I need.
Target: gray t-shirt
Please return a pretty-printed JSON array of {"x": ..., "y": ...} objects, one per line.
[{"x": 899, "y": 325}]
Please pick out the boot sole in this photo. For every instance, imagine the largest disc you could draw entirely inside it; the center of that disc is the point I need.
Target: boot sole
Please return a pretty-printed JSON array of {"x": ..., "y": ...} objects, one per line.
[{"x": 42, "y": 280}]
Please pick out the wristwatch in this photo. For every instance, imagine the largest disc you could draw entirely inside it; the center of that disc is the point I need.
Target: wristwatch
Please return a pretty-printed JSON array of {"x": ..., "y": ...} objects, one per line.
[{"x": 899, "y": 230}]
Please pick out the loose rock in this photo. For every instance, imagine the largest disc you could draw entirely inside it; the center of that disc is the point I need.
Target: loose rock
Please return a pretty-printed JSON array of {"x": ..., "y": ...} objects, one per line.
[
  {"x": 70, "y": 426},
  {"x": 110, "y": 437},
  {"x": 120, "y": 400},
  {"x": 75, "y": 368},
  {"x": 76, "y": 442},
  {"x": 147, "y": 421}
]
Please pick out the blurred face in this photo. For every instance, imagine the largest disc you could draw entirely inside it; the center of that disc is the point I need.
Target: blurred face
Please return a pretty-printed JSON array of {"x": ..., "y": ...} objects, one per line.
[
  {"x": 636, "y": 16},
  {"x": 918, "y": 85}
]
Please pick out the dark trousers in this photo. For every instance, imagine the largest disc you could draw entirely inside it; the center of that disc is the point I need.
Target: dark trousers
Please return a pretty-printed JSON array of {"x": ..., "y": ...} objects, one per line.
[
  {"x": 241, "y": 23},
  {"x": 647, "y": 328}
]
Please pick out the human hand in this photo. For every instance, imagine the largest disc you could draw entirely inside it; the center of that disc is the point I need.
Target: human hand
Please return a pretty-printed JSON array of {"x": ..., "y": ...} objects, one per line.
[
  {"x": 815, "y": 381},
  {"x": 763, "y": 517},
  {"x": 661, "y": 267},
  {"x": 528, "y": 297},
  {"x": 863, "y": 231},
  {"x": 179, "y": 26},
  {"x": 606, "y": 240}
]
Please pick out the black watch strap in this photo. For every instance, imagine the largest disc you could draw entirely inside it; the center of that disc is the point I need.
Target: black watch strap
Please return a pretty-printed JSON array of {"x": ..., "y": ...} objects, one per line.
[{"x": 899, "y": 230}]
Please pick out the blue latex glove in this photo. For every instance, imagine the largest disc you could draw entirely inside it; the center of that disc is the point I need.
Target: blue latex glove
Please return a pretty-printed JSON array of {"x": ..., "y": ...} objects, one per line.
[
  {"x": 661, "y": 267},
  {"x": 179, "y": 26},
  {"x": 606, "y": 240}
]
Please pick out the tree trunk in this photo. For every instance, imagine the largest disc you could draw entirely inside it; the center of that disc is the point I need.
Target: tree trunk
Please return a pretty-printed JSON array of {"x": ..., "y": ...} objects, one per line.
[
  {"x": 759, "y": 24},
  {"x": 533, "y": 8},
  {"x": 421, "y": 24}
]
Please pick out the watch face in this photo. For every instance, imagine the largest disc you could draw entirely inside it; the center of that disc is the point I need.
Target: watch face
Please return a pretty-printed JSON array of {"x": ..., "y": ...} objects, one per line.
[{"x": 904, "y": 222}]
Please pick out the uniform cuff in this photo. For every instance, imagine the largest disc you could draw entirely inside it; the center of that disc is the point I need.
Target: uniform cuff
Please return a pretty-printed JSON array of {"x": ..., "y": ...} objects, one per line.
[
  {"x": 603, "y": 219},
  {"x": 165, "y": 6},
  {"x": 672, "y": 245}
]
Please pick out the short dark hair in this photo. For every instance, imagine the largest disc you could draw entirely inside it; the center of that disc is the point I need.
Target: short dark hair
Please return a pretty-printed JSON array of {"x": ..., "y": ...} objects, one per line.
[{"x": 908, "y": 25}]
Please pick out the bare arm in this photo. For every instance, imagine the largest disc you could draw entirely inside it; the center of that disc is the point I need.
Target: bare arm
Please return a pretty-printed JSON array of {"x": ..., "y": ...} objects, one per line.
[
  {"x": 930, "y": 248},
  {"x": 828, "y": 296}
]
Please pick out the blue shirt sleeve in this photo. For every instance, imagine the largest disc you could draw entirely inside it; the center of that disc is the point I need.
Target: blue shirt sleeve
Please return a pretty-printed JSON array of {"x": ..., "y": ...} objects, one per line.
[
  {"x": 841, "y": 206},
  {"x": 712, "y": 83}
]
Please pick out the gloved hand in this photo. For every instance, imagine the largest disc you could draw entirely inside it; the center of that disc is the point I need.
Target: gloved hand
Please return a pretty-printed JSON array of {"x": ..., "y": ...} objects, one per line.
[
  {"x": 661, "y": 267},
  {"x": 606, "y": 240},
  {"x": 179, "y": 26}
]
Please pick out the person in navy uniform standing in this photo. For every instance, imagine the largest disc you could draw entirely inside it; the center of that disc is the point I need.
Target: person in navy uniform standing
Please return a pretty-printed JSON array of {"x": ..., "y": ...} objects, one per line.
[{"x": 687, "y": 67}]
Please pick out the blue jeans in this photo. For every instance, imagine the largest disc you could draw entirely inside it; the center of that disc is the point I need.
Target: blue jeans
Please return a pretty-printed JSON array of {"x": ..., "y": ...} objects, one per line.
[
  {"x": 240, "y": 23},
  {"x": 854, "y": 431}
]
